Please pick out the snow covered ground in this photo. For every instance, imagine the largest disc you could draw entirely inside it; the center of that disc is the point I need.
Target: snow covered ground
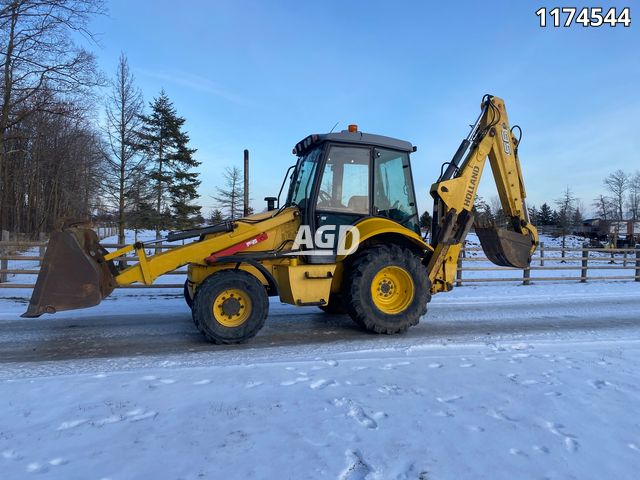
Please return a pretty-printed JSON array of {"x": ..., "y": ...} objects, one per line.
[{"x": 498, "y": 381}]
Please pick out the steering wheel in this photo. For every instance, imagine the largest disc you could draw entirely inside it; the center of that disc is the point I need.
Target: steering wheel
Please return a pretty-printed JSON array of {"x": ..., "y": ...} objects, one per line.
[{"x": 324, "y": 197}]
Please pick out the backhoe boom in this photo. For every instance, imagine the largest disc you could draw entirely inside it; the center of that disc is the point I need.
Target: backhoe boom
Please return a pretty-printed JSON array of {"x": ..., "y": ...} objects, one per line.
[{"x": 455, "y": 192}]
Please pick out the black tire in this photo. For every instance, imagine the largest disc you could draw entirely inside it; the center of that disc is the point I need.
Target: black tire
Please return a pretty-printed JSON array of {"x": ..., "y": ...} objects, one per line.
[
  {"x": 359, "y": 299},
  {"x": 187, "y": 295},
  {"x": 250, "y": 295},
  {"x": 335, "y": 306}
]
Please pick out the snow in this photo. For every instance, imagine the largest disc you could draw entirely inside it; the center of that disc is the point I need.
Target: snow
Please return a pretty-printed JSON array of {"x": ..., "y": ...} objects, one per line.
[{"x": 497, "y": 381}]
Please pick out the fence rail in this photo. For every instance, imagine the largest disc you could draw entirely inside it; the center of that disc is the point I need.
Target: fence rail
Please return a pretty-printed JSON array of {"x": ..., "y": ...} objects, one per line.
[{"x": 581, "y": 260}]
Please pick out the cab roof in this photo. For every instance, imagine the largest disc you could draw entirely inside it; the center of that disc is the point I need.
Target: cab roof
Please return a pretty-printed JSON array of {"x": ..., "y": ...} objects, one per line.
[{"x": 354, "y": 138}]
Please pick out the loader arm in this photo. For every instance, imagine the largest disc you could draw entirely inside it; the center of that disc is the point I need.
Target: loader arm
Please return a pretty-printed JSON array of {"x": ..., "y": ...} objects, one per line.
[
  {"x": 78, "y": 272},
  {"x": 244, "y": 236},
  {"x": 455, "y": 191}
]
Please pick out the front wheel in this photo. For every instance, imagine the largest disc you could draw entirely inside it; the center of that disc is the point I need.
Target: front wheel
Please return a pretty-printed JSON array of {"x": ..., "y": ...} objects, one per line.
[
  {"x": 388, "y": 289},
  {"x": 230, "y": 306},
  {"x": 187, "y": 294}
]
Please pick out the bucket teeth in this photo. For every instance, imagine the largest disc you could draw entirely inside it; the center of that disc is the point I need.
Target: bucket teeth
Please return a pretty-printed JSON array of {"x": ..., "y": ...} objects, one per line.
[
  {"x": 505, "y": 247},
  {"x": 74, "y": 273}
]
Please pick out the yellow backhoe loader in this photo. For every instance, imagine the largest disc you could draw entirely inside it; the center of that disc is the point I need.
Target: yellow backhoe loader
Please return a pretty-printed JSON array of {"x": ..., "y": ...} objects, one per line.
[{"x": 346, "y": 239}]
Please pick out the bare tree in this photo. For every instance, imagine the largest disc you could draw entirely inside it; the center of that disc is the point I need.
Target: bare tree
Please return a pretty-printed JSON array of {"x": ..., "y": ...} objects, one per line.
[
  {"x": 55, "y": 165},
  {"x": 499, "y": 216},
  {"x": 123, "y": 112},
  {"x": 618, "y": 183},
  {"x": 481, "y": 210},
  {"x": 43, "y": 70},
  {"x": 230, "y": 197},
  {"x": 633, "y": 203},
  {"x": 603, "y": 207},
  {"x": 566, "y": 215}
]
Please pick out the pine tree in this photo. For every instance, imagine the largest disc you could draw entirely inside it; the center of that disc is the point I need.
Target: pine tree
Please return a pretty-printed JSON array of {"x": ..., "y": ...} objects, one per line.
[
  {"x": 577, "y": 217},
  {"x": 183, "y": 192},
  {"x": 425, "y": 221},
  {"x": 533, "y": 214},
  {"x": 141, "y": 214},
  {"x": 545, "y": 215},
  {"x": 216, "y": 216},
  {"x": 174, "y": 185}
]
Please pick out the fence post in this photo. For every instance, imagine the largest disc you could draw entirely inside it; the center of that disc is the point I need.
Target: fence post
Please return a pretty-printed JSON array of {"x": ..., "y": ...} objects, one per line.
[
  {"x": 585, "y": 262},
  {"x": 624, "y": 259},
  {"x": 542, "y": 254},
  {"x": 459, "y": 268},
  {"x": 42, "y": 237},
  {"x": 638, "y": 262},
  {"x": 526, "y": 276},
  {"x": 4, "y": 263}
]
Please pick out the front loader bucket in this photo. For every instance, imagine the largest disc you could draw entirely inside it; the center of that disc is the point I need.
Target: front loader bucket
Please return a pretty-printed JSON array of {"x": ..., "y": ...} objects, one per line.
[
  {"x": 74, "y": 273},
  {"x": 504, "y": 247}
]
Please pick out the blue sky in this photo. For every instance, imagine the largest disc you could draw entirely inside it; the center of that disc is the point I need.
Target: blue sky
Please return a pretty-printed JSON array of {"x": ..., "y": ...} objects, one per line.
[{"x": 263, "y": 75}]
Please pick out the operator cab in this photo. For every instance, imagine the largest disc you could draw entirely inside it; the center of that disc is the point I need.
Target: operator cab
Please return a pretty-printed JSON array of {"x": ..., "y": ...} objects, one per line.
[{"x": 341, "y": 178}]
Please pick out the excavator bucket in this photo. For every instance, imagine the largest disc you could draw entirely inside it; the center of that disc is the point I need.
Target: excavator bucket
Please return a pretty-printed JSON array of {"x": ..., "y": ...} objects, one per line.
[
  {"x": 504, "y": 247},
  {"x": 74, "y": 273}
]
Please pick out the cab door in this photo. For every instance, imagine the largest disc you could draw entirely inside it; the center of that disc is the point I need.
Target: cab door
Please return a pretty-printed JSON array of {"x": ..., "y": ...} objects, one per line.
[
  {"x": 393, "y": 192},
  {"x": 344, "y": 192}
]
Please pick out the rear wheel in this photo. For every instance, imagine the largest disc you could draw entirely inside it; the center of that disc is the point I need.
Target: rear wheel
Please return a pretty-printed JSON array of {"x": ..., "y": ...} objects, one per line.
[
  {"x": 388, "y": 289},
  {"x": 230, "y": 306}
]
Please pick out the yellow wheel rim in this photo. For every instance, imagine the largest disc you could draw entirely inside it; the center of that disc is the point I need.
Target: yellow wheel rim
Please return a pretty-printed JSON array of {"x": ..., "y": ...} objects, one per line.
[
  {"x": 232, "y": 307},
  {"x": 392, "y": 290}
]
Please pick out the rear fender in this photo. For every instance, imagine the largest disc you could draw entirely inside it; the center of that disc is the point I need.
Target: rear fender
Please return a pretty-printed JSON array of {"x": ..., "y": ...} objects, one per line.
[{"x": 383, "y": 230}]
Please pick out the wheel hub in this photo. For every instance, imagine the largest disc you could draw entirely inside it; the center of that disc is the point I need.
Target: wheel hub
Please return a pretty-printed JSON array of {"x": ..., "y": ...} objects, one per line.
[
  {"x": 392, "y": 290},
  {"x": 232, "y": 307}
]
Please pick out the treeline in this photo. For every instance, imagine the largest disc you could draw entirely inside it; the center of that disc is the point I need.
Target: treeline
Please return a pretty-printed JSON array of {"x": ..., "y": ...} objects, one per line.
[
  {"x": 56, "y": 161},
  {"x": 620, "y": 201},
  {"x": 567, "y": 212}
]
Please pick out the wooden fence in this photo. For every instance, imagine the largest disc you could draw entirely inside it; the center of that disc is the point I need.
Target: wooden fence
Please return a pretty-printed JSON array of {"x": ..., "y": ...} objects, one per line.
[{"x": 588, "y": 264}]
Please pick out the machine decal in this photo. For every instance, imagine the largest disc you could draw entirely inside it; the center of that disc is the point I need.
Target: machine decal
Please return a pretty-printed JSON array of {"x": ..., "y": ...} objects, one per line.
[
  {"x": 473, "y": 183},
  {"x": 505, "y": 140}
]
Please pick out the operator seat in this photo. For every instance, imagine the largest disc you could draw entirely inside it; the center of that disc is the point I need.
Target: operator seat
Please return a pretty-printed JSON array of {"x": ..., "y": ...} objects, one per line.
[{"x": 359, "y": 204}]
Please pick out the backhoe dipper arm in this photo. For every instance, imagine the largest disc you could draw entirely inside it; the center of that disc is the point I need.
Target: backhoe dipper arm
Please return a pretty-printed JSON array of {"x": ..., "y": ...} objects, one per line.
[{"x": 455, "y": 191}]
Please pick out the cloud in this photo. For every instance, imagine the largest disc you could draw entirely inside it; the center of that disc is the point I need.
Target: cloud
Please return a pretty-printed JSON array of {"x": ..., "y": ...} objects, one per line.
[{"x": 195, "y": 82}]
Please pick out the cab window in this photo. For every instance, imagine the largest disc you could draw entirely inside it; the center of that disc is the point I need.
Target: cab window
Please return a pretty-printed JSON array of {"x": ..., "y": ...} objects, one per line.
[
  {"x": 393, "y": 188},
  {"x": 345, "y": 181}
]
